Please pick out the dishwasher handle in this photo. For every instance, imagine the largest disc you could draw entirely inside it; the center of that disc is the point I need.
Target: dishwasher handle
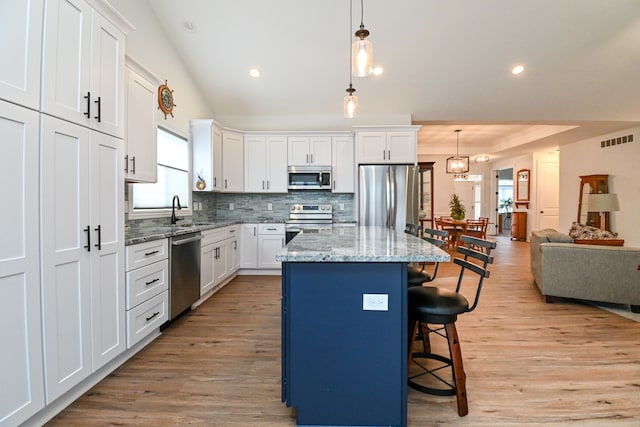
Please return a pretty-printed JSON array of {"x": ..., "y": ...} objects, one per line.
[{"x": 185, "y": 241}]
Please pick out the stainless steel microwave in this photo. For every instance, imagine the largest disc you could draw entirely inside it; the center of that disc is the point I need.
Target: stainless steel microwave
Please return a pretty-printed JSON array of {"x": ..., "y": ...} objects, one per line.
[{"x": 309, "y": 177}]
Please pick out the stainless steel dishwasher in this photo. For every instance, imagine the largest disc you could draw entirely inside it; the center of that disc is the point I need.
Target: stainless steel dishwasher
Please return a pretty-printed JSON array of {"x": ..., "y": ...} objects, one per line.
[{"x": 184, "y": 287}]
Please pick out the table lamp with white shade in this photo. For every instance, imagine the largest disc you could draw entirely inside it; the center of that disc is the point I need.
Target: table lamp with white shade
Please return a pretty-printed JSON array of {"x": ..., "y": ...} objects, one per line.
[{"x": 601, "y": 203}]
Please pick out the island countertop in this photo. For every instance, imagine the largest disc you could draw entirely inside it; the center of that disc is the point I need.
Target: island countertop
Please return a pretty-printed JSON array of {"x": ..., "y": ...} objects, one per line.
[{"x": 360, "y": 244}]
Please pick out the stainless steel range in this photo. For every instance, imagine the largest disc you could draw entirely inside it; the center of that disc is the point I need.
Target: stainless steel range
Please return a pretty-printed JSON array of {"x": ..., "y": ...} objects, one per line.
[{"x": 308, "y": 219}]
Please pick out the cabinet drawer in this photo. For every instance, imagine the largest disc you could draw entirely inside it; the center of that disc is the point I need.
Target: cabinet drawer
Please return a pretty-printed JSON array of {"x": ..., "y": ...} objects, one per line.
[
  {"x": 146, "y": 253},
  {"x": 146, "y": 282},
  {"x": 218, "y": 234},
  {"x": 270, "y": 229},
  {"x": 146, "y": 317}
]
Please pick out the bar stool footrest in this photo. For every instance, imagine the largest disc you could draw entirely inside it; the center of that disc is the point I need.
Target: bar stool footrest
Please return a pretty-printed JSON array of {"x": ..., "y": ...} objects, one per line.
[{"x": 450, "y": 390}]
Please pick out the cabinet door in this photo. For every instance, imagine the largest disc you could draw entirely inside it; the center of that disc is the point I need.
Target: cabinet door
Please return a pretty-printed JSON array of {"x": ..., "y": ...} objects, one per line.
[
  {"x": 401, "y": 147},
  {"x": 298, "y": 151},
  {"x": 20, "y": 317},
  {"x": 255, "y": 166},
  {"x": 233, "y": 166},
  {"x": 249, "y": 246},
  {"x": 202, "y": 139},
  {"x": 21, "y": 23},
  {"x": 107, "y": 77},
  {"x": 220, "y": 263},
  {"x": 235, "y": 254},
  {"x": 207, "y": 278},
  {"x": 216, "y": 185},
  {"x": 342, "y": 166},
  {"x": 107, "y": 254},
  {"x": 320, "y": 150},
  {"x": 268, "y": 247},
  {"x": 66, "y": 57},
  {"x": 66, "y": 229},
  {"x": 141, "y": 129},
  {"x": 372, "y": 147},
  {"x": 276, "y": 160}
]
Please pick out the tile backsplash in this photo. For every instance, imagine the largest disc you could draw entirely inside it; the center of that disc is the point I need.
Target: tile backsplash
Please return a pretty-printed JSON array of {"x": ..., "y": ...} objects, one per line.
[{"x": 254, "y": 207}]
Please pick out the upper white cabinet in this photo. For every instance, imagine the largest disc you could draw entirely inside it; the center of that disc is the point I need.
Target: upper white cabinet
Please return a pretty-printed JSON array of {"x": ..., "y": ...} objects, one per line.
[
  {"x": 141, "y": 123},
  {"x": 233, "y": 166},
  {"x": 387, "y": 145},
  {"x": 21, "y": 23},
  {"x": 21, "y": 370},
  {"x": 206, "y": 137},
  {"x": 83, "y": 300},
  {"x": 265, "y": 164},
  {"x": 342, "y": 164},
  {"x": 309, "y": 150},
  {"x": 83, "y": 65}
]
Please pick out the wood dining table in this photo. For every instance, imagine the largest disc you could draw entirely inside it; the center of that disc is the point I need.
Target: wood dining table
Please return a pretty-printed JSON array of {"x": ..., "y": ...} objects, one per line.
[{"x": 455, "y": 227}]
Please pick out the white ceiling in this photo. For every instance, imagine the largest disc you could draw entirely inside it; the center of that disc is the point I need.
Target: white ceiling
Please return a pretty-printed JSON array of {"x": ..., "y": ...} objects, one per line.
[{"x": 447, "y": 66}]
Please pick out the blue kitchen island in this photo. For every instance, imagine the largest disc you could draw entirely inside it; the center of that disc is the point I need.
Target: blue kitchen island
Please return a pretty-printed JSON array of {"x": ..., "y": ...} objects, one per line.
[{"x": 344, "y": 325}]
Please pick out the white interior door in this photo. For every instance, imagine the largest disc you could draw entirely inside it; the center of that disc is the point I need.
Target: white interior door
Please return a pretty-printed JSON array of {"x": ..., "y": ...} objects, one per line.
[{"x": 548, "y": 195}]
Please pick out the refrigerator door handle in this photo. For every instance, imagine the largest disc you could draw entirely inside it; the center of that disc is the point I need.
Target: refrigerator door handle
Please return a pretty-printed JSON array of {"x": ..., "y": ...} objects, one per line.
[{"x": 391, "y": 198}]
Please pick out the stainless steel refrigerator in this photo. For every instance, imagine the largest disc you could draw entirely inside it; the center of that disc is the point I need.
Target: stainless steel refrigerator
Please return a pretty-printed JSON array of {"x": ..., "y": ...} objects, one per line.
[{"x": 388, "y": 195}]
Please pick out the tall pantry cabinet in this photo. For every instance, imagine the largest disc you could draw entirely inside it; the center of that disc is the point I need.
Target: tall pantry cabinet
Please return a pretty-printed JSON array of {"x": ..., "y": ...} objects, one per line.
[{"x": 62, "y": 246}]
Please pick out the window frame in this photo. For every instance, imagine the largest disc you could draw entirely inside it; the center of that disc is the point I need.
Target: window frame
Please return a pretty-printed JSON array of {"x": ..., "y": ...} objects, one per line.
[{"x": 165, "y": 212}]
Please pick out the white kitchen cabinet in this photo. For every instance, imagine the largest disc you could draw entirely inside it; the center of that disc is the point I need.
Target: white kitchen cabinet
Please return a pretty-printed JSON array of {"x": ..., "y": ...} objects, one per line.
[
  {"x": 342, "y": 165},
  {"x": 233, "y": 158},
  {"x": 21, "y": 371},
  {"x": 265, "y": 164},
  {"x": 249, "y": 246},
  {"x": 147, "y": 291},
  {"x": 21, "y": 23},
  {"x": 82, "y": 252},
  {"x": 270, "y": 241},
  {"x": 83, "y": 64},
  {"x": 219, "y": 256},
  {"x": 390, "y": 146},
  {"x": 141, "y": 123},
  {"x": 206, "y": 137},
  {"x": 309, "y": 150}
]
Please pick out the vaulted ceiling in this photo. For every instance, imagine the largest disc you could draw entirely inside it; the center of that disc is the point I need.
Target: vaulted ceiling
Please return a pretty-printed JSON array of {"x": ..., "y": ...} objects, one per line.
[{"x": 447, "y": 65}]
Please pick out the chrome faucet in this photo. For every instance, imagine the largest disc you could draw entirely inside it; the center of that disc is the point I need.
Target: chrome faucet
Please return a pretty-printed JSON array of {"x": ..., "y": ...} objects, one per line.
[{"x": 173, "y": 209}]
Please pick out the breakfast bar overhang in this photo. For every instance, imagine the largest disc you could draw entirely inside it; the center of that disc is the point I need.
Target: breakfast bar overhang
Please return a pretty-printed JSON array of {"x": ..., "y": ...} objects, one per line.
[{"x": 344, "y": 325}]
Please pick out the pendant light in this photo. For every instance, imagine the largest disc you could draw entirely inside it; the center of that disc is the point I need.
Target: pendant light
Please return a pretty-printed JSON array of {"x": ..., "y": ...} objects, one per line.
[
  {"x": 458, "y": 164},
  {"x": 350, "y": 100},
  {"x": 362, "y": 56}
]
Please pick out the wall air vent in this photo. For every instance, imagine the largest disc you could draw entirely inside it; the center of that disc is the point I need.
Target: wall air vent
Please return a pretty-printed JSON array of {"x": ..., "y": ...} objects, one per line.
[{"x": 616, "y": 141}]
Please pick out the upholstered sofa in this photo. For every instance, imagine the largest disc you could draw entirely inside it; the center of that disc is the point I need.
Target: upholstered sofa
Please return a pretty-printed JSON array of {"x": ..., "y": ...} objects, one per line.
[{"x": 565, "y": 269}]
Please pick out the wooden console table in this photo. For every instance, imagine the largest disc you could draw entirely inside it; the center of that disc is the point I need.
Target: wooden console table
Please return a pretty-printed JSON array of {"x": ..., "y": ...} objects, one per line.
[{"x": 602, "y": 242}]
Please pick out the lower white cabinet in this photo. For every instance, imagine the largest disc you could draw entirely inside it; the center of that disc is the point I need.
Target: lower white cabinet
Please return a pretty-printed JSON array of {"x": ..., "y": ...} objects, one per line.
[
  {"x": 270, "y": 242},
  {"x": 82, "y": 215},
  {"x": 21, "y": 373},
  {"x": 219, "y": 256},
  {"x": 147, "y": 288},
  {"x": 260, "y": 244}
]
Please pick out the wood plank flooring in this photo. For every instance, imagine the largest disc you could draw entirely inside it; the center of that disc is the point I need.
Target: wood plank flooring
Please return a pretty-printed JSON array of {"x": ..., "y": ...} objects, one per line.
[{"x": 528, "y": 363}]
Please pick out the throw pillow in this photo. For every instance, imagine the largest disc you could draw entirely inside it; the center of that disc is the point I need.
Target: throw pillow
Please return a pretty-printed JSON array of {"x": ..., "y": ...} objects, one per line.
[{"x": 585, "y": 232}]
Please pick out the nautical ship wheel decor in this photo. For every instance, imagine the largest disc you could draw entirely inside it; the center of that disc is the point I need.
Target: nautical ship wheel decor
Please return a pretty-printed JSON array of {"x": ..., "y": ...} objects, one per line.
[{"x": 165, "y": 99}]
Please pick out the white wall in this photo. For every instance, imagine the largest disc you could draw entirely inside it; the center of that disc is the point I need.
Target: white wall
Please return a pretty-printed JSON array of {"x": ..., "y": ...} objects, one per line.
[
  {"x": 149, "y": 45},
  {"x": 621, "y": 163}
]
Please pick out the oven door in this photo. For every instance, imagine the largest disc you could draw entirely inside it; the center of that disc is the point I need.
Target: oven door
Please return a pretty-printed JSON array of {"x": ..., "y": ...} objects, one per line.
[{"x": 290, "y": 233}]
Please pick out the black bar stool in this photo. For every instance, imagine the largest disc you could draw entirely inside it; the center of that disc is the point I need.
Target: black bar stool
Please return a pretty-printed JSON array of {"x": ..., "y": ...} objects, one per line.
[
  {"x": 418, "y": 275},
  {"x": 430, "y": 305}
]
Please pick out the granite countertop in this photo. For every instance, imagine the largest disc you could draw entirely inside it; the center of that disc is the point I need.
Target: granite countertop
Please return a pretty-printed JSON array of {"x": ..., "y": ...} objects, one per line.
[
  {"x": 360, "y": 244},
  {"x": 156, "y": 232}
]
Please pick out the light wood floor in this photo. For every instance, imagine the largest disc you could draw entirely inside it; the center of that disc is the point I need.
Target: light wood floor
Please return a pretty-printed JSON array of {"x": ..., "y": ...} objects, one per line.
[{"x": 527, "y": 363}]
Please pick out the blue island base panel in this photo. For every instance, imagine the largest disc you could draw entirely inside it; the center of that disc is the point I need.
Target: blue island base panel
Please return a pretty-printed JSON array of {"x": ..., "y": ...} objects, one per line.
[{"x": 346, "y": 365}]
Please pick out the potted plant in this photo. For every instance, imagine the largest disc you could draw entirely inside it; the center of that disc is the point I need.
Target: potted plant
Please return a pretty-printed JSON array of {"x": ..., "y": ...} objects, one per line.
[
  {"x": 457, "y": 209},
  {"x": 506, "y": 205}
]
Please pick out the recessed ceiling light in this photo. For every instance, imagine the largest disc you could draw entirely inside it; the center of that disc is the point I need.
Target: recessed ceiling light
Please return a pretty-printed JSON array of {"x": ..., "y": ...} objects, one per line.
[
  {"x": 189, "y": 26},
  {"x": 255, "y": 72},
  {"x": 518, "y": 69},
  {"x": 378, "y": 70}
]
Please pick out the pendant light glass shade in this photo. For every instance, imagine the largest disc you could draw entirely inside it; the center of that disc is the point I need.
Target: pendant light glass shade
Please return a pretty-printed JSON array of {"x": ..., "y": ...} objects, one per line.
[
  {"x": 362, "y": 64},
  {"x": 457, "y": 164},
  {"x": 350, "y": 104}
]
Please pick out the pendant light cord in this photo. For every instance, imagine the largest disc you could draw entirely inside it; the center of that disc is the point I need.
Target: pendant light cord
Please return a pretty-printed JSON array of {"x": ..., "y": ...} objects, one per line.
[
  {"x": 361, "y": 13},
  {"x": 349, "y": 44}
]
